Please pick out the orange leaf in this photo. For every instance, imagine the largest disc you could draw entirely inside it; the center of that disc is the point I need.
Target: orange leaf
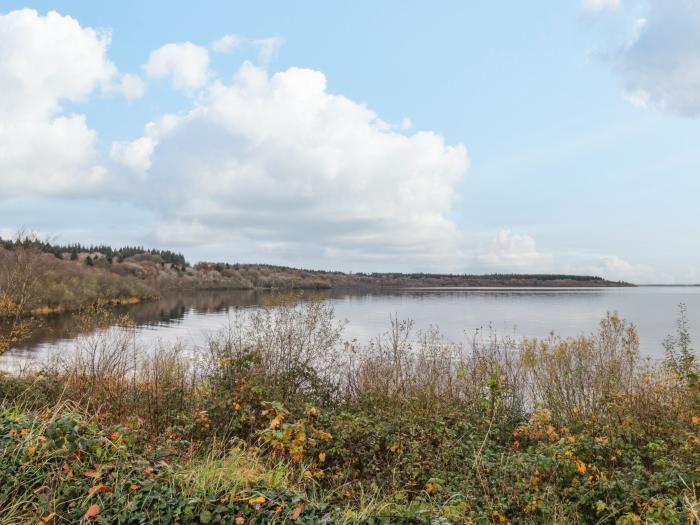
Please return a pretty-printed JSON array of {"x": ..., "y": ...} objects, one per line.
[
  {"x": 93, "y": 511},
  {"x": 148, "y": 470},
  {"x": 297, "y": 512},
  {"x": 99, "y": 488},
  {"x": 67, "y": 470}
]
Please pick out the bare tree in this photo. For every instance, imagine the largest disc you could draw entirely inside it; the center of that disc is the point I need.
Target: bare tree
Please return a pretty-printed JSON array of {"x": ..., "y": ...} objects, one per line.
[{"x": 20, "y": 279}]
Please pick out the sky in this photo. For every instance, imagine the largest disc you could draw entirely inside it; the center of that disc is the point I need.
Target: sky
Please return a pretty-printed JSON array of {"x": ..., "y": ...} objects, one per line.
[{"x": 446, "y": 136}]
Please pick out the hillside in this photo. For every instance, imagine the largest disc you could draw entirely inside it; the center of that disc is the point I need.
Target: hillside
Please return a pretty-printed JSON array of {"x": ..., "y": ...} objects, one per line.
[{"x": 69, "y": 276}]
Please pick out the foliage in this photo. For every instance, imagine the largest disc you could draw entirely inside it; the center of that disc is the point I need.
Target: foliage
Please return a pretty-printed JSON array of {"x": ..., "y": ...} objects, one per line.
[
  {"x": 276, "y": 422},
  {"x": 58, "y": 250}
]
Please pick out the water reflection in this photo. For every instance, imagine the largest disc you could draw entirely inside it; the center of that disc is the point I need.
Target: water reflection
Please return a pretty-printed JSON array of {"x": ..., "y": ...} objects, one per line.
[{"x": 189, "y": 317}]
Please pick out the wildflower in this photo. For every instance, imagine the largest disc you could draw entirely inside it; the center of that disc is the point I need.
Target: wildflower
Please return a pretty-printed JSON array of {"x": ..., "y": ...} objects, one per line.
[
  {"x": 259, "y": 500},
  {"x": 568, "y": 454},
  {"x": 580, "y": 467},
  {"x": 430, "y": 488}
]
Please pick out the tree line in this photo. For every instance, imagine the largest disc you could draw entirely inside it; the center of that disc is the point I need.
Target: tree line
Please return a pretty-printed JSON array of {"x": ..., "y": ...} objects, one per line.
[{"x": 109, "y": 252}]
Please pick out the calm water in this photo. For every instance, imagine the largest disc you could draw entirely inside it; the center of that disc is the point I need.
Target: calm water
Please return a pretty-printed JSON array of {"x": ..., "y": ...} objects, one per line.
[{"x": 189, "y": 318}]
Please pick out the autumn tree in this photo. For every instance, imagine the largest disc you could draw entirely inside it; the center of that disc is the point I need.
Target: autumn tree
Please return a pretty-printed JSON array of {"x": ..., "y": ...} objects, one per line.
[{"x": 20, "y": 277}]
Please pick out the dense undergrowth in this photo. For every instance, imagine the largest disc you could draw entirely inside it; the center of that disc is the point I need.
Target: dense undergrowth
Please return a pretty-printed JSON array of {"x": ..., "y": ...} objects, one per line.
[{"x": 278, "y": 421}]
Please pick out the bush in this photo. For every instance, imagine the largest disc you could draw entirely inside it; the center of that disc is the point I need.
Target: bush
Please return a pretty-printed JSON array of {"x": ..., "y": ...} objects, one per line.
[{"x": 410, "y": 429}]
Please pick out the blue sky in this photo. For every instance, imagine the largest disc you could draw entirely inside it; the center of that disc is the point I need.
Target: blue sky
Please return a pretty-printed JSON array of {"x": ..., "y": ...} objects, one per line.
[{"x": 561, "y": 136}]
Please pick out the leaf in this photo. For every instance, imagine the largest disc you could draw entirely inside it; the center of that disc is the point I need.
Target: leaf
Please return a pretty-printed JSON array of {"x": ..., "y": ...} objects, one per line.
[
  {"x": 148, "y": 470},
  {"x": 297, "y": 512},
  {"x": 205, "y": 517},
  {"x": 91, "y": 474},
  {"x": 99, "y": 488},
  {"x": 67, "y": 470},
  {"x": 93, "y": 511}
]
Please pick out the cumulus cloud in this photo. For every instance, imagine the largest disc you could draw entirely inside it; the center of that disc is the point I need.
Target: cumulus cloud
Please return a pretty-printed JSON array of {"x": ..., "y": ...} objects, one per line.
[
  {"x": 615, "y": 268},
  {"x": 279, "y": 158},
  {"x": 135, "y": 155},
  {"x": 512, "y": 252},
  {"x": 597, "y": 6},
  {"x": 47, "y": 60},
  {"x": 225, "y": 44},
  {"x": 131, "y": 86},
  {"x": 661, "y": 66},
  {"x": 186, "y": 64}
]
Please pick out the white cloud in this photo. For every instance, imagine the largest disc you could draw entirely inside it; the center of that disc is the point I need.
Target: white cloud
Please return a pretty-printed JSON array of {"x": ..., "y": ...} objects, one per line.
[
  {"x": 598, "y": 6},
  {"x": 131, "y": 86},
  {"x": 661, "y": 66},
  {"x": 615, "y": 268},
  {"x": 225, "y": 44},
  {"x": 278, "y": 158},
  {"x": 185, "y": 63},
  {"x": 512, "y": 252},
  {"x": 268, "y": 49},
  {"x": 180, "y": 233},
  {"x": 47, "y": 60},
  {"x": 135, "y": 155}
]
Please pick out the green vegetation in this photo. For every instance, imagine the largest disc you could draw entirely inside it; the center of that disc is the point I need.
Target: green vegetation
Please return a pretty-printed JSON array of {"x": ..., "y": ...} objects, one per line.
[
  {"x": 59, "y": 250},
  {"x": 278, "y": 421}
]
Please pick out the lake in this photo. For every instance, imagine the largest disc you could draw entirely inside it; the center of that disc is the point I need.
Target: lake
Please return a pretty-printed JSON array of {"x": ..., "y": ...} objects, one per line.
[{"x": 457, "y": 312}]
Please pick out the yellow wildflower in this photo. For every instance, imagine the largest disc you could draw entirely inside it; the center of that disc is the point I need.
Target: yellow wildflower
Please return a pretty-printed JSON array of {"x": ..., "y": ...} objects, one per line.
[{"x": 580, "y": 467}]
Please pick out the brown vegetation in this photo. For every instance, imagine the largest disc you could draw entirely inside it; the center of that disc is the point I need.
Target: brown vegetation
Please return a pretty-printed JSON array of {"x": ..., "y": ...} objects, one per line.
[{"x": 409, "y": 429}]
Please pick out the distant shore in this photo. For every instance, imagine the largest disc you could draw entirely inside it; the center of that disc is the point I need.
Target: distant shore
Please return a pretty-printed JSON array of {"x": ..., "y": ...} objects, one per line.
[{"x": 66, "y": 278}]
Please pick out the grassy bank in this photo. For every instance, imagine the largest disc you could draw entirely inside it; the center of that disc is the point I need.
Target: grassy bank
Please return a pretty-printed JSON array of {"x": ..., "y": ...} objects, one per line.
[{"x": 277, "y": 420}]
